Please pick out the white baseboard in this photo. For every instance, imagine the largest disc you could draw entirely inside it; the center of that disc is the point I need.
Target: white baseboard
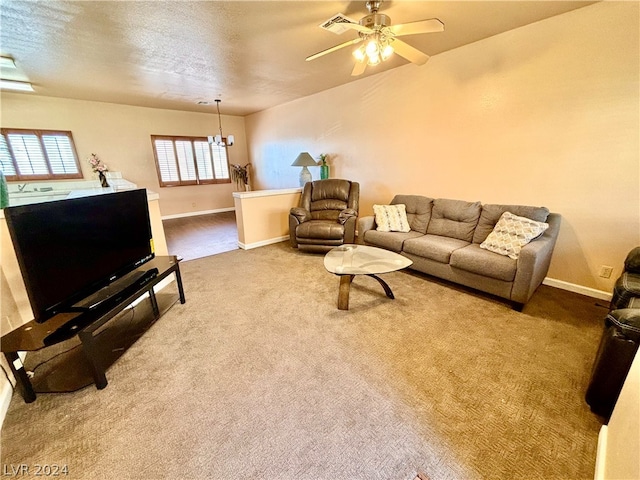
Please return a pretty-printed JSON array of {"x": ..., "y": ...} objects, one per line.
[
  {"x": 572, "y": 287},
  {"x": 249, "y": 246},
  {"x": 195, "y": 214},
  {"x": 601, "y": 453}
]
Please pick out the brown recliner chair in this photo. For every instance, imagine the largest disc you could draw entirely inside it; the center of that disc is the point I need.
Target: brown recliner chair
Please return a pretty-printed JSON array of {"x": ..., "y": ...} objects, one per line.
[{"x": 326, "y": 217}]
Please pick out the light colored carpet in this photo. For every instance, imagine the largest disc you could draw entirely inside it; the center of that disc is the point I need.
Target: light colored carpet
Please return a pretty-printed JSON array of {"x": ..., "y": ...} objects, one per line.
[{"x": 260, "y": 376}]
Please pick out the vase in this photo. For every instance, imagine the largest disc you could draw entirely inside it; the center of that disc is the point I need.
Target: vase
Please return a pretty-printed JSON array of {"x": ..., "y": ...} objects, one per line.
[
  {"x": 103, "y": 179},
  {"x": 324, "y": 172}
]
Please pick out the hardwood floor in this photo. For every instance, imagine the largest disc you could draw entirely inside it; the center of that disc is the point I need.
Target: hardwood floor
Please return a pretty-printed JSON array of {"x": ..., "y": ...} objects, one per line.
[{"x": 202, "y": 235}]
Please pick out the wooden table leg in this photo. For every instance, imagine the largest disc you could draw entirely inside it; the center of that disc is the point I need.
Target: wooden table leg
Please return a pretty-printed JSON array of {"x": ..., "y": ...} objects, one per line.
[
  {"x": 343, "y": 293},
  {"x": 385, "y": 286}
]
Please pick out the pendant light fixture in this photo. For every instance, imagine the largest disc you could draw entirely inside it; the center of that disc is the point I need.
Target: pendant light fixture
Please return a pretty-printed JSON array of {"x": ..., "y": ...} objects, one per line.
[{"x": 219, "y": 139}]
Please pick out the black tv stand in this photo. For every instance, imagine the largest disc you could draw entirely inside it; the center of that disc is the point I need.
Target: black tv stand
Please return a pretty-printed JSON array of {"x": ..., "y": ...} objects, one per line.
[
  {"x": 94, "y": 306},
  {"x": 95, "y": 352}
]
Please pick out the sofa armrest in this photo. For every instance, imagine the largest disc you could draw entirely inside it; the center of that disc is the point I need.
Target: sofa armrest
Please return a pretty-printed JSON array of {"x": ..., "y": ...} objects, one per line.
[
  {"x": 534, "y": 260},
  {"x": 301, "y": 214},
  {"x": 350, "y": 230},
  {"x": 365, "y": 224},
  {"x": 297, "y": 215},
  {"x": 346, "y": 214}
]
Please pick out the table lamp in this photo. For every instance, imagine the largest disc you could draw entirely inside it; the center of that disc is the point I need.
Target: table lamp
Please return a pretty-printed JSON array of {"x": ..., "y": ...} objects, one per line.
[{"x": 304, "y": 160}]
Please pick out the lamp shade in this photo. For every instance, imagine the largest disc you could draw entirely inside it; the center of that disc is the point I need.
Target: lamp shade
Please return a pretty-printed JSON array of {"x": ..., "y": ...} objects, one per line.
[{"x": 304, "y": 160}]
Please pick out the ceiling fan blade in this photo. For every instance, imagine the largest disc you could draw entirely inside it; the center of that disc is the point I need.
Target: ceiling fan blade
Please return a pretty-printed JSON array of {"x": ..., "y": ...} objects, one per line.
[
  {"x": 410, "y": 53},
  {"x": 358, "y": 27},
  {"x": 333, "y": 49},
  {"x": 432, "y": 25},
  {"x": 359, "y": 68}
]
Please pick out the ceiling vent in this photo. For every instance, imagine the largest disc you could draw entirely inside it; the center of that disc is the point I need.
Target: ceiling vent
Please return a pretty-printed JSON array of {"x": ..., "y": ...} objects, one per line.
[{"x": 336, "y": 23}]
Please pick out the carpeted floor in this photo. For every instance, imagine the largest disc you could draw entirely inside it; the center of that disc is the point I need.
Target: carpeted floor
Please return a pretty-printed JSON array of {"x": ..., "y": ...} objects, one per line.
[{"x": 259, "y": 375}]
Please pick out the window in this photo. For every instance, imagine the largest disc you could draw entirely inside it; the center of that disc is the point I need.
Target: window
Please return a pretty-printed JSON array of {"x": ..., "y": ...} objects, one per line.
[
  {"x": 189, "y": 161},
  {"x": 38, "y": 155}
]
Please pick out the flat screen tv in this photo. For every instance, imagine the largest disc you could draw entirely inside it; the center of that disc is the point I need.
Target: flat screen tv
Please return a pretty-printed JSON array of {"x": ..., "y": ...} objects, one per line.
[{"x": 70, "y": 249}]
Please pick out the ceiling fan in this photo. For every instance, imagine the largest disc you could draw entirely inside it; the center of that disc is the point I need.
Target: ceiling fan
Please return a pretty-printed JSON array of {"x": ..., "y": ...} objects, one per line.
[{"x": 378, "y": 37}]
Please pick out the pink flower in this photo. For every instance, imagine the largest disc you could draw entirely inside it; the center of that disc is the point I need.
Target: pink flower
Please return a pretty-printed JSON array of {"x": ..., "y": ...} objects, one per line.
[{"x": 96, "y": 164}]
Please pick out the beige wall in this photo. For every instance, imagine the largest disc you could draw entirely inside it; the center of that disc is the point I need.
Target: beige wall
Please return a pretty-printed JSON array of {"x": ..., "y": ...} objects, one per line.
[
  {"x": 263, "y": 216},
  {"x": 547, "y": 114},
  {"x": 121, "y": 136}
]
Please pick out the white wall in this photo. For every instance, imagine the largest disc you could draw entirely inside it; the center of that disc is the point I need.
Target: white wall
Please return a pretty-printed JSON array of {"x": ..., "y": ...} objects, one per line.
[{"x": 547, "y": 114}]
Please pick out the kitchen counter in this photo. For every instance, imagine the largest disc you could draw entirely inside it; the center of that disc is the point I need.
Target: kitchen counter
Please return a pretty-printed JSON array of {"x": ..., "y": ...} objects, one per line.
[{"x": 47, "y": 191}]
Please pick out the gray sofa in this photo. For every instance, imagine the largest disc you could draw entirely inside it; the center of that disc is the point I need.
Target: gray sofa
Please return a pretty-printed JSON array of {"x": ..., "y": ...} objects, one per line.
[{"x": 445, "y": 239}]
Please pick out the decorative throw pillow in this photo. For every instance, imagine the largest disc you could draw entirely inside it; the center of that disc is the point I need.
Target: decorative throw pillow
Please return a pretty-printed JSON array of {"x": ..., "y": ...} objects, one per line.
[
  {"x": 391, "y": 218},
  {"x": 511, "y": 233}
]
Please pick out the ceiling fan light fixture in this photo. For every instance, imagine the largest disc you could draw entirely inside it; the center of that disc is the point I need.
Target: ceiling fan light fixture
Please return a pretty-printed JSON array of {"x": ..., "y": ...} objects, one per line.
[
  {"x": 374, "y": 60},
  {"x": 387, "y": 51},
  {"x": 375, "y": 50},
  {"x": 360, "y": 54},
  {"x": 372, "y": 47}
]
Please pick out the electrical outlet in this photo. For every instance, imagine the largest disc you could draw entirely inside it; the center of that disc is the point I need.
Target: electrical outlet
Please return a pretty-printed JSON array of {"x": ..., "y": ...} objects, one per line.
[
  {"x": 605, "y": 271},
  {"x": 193, "y": 204}
]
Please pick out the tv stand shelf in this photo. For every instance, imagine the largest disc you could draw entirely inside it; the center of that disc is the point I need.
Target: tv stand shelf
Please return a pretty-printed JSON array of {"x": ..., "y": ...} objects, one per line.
[{"x": 93, "y": 344}]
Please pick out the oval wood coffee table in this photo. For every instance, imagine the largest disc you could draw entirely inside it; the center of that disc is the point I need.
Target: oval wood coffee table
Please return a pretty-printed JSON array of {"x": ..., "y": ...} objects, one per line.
[{"x": 350, "y": 260}]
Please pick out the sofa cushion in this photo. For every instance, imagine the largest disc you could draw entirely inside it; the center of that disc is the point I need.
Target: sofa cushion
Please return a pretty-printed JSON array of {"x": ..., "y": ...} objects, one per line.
[
  {"x": 454, "y": 218},
  {"x": 320, "y": 229},
  {"x": 418, "y": 210},
  {"x": 433, "y": 247},
  {"x": 511, "y": 233},
  {"x": 391, "y": 218},
  {"x": 328, "y": 209},
  {"x": 483, "y": 262},
  {"x": 491, "y": 213},
  {"x": 389, "y": 240}
]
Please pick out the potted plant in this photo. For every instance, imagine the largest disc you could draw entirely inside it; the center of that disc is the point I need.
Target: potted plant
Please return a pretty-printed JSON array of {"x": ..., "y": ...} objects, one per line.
[{"x": 240, "y": 175}]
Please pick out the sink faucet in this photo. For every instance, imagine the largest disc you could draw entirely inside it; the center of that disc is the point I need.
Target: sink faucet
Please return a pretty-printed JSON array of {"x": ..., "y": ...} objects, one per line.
[{"x": 21, "y": 187}]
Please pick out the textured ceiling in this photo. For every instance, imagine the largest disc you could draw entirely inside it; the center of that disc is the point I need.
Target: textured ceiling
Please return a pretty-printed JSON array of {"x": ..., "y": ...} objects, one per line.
[{"x": 249, "y": 54}]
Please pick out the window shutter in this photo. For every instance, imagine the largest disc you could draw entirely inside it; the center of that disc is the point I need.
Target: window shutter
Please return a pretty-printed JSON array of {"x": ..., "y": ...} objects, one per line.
[
  {"x": 166, "y": 161},
  {"x": 220, "y": 163},
  {"x": 28, "y": 154},
  {"x": 60, "y": 153},
  {"x": 6, "y": 165},
  {"x": 38, "y": 154},
  {"x": 185, "y": 160},
  {"x": 203, "y": 160},
  {"x": 189, "y": 161}
]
